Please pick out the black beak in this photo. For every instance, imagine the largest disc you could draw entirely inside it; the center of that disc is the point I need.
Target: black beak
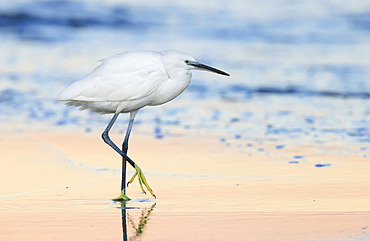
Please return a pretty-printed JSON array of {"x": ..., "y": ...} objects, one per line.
[{"x": 206, "y": 67}]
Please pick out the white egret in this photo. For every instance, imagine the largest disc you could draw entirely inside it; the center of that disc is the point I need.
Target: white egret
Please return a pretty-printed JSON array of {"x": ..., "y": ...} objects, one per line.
[{"x": 127, "y": 82}]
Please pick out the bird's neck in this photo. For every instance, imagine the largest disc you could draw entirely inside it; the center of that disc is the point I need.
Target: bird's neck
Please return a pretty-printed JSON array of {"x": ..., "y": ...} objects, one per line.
[
  {"x": 171, "y": 88},
  {"x": 180, "y": 75},
  {"x": 179, "y": 80}
]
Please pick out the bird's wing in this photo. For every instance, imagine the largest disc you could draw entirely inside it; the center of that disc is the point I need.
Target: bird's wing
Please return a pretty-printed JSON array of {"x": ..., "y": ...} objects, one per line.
[{"x": 127, "y": 76}]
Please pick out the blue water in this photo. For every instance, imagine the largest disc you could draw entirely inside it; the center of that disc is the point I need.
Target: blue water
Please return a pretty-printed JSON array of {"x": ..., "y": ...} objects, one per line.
[{"x": 299, "y": 69}]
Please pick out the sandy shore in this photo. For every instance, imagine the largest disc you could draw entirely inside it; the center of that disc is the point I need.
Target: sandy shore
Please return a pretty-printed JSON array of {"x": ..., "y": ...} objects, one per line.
[{"x": 56, "y": 186}]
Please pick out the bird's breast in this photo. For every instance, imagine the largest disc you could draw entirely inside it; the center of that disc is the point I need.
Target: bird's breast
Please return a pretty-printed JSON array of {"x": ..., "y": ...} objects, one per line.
[{"x": 169, "y": 90}]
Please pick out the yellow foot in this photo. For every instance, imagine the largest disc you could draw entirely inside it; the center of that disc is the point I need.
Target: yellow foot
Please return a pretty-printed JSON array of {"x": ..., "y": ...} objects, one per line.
[
  {"x": 122, "y": 197},
  {"x": 140, "y": 176}
]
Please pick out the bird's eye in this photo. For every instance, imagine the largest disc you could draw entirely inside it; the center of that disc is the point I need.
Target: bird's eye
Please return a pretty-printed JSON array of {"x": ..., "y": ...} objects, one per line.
[{"x": 186, "y": 61}]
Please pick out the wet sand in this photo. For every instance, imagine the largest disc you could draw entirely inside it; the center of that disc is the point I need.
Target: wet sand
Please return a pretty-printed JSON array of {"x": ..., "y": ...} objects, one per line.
[{"x": 58, "y": 186}]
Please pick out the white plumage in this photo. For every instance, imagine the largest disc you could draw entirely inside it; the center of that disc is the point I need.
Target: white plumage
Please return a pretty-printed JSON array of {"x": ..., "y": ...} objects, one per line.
[
  {"x": 127, "y": 82},
  {"x": 130, "y": 81}
]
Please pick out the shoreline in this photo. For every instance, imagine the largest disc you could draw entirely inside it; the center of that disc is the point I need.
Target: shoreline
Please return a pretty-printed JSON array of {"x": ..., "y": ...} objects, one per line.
[{"x": 55, "y": 177}]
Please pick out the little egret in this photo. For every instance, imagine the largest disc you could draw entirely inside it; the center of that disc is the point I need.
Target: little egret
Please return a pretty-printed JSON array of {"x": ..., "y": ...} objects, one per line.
[{"x": 127, "y": 82}]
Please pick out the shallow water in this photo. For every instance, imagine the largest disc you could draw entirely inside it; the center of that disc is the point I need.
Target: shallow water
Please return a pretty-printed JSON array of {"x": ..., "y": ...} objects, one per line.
[
  {"x": 299, "y": 77},
  {"x": 55, "y": 189},
  {"x": 298, "y": 69}
]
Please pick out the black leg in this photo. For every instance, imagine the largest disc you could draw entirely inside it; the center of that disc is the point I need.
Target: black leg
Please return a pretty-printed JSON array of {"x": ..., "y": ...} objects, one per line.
[
  {"x": 105, "y": 136},
  {"x": 123, "y": 180},
  {"x": 125, "y": 149},
  {"x": 139, "y": 173}
]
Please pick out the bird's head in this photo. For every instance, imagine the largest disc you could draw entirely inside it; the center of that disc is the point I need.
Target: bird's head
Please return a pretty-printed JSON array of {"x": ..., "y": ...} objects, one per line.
[{"x": 183, "y": 61}]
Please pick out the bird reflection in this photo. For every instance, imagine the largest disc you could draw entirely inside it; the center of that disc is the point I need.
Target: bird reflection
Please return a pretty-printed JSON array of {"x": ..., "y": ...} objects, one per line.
[{"x": 128, "y": 219}]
